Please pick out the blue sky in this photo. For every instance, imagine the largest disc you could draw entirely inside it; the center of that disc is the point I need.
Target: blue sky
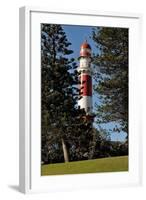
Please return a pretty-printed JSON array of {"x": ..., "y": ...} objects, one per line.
[{"x": 77, "y": 35}]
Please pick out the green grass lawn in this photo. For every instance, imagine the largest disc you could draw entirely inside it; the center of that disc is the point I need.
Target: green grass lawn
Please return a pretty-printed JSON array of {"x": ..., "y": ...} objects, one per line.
[{"x": 112, "y": 164}]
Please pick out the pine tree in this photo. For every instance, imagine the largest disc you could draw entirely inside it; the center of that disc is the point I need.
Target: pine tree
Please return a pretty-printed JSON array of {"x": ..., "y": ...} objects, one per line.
[
  {"x": 62, "y": 120},
  {"x": 112, "y": 75}
]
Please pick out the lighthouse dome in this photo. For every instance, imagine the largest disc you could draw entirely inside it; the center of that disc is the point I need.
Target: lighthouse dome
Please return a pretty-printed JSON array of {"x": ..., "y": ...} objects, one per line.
[
  {"x": 85, "y": 50},
  {"x": 85, "y": 45}
]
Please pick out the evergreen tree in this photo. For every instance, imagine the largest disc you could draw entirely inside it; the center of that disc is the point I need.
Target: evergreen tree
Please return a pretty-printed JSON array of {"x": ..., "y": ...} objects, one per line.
[
  {"x": 62, "y": 120},
  {"x": 112, "y": 75}
]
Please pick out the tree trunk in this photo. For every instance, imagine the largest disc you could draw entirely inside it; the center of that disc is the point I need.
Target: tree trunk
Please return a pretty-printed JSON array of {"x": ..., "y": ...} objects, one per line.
[
  {"x": 92, "y": 146},
  {"x": 65, "y": 152}
]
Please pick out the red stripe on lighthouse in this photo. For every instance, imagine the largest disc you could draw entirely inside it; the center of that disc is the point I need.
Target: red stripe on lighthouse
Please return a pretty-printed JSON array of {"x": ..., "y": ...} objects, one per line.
[{"x": 86, "y": 83}]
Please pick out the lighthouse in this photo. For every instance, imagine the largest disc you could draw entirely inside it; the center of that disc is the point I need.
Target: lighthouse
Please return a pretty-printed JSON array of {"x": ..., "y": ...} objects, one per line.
[{"x": 85, "y": 79}]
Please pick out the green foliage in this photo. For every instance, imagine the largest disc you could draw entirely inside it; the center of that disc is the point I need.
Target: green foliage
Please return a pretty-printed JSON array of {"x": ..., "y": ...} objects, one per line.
[
  {"x": 112, "y": 75},
  {"x": 61, "y": 117}
]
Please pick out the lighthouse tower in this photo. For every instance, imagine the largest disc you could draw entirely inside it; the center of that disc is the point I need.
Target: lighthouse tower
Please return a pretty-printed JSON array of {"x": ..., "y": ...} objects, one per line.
[{"x": 85, "y": 79}]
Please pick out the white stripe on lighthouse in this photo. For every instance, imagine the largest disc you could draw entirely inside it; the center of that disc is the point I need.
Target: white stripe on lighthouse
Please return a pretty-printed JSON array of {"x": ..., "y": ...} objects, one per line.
[{"x": 86, "y": 103}]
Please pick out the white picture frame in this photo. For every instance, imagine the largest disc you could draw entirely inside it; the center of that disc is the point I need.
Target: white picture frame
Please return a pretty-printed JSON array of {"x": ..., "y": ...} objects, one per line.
[{"x": 29, "y": 160}]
